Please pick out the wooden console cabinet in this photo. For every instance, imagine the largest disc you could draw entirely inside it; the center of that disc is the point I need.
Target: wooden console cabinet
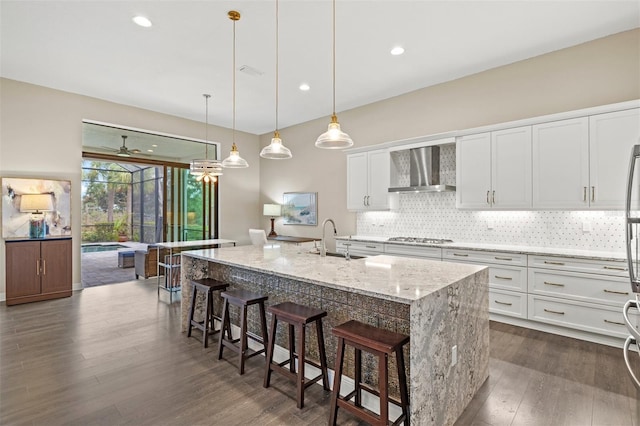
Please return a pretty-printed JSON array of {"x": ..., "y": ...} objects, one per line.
[{"x": 38, "y": 270}]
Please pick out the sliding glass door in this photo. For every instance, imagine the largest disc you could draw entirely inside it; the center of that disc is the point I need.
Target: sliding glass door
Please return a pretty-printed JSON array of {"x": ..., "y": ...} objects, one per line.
[{"x": 190, "y": 207}]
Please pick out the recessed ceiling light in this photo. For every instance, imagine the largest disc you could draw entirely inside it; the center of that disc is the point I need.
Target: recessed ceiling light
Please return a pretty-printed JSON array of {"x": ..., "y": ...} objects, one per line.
[
  {"x": 304, "y": 87},
  {"x": 397, "y": 51},
  {"x": 154, "y": 145},
  {"x": 142, "y": 21},
  {"x": 149, "y": 150}
]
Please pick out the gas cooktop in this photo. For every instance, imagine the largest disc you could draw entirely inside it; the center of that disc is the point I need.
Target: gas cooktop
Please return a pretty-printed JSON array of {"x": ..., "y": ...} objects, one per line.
[{"x": 420, "y": 240}]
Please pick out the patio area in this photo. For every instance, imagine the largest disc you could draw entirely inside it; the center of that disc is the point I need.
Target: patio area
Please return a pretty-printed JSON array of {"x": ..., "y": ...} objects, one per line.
[{"x": 101, "y": 267}]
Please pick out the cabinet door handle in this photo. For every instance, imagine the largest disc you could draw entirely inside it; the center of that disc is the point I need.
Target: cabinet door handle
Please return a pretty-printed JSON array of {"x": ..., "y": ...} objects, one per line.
[
  {"x": 625, "y": 293},
  {"x": 503, "y": 278},
  {"x": 548, "y": 262},
  {"x": 593, "y": 193},
  {"x": 371, "y": 247},
  {"x": 502, "y": 258},
  {"x": 503, "y": 303},
  {"x": 553, "y": 284},
  {"x": 584, "y": 194},
  {"x": 614, "y": 268},
  {"x": 613, "y": 322},
  {"x": 461, "y": 255},
  {"x": 38, "y": 267},
  {"x": 368, "y": 203},
  {"x": 493, "y": 197},
  {"x": 44, "y": 267},
  {"x": 553, "y": 312},
  {"x": 488, "y": 202},
  {"x": 364, "y": 200}
]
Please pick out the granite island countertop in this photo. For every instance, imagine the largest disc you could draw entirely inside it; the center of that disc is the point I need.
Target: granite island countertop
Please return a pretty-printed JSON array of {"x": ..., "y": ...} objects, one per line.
[
  {"x": 616, "y": 256},
  {"x": 394, "y": 278}
]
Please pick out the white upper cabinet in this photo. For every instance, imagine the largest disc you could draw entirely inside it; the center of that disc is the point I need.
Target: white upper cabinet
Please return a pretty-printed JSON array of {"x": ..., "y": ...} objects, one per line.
[
  {"x": 611, "y": 137},
  {"x": 493, "y": 170},
  {"x": 473, "y": 171},
  {"x": 561, "y": 164},
  {"x": 368, "y": 179}
]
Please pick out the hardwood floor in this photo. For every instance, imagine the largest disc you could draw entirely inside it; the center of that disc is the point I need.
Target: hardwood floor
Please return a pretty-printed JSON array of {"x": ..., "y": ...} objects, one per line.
[{"x": 114, "y": 355}]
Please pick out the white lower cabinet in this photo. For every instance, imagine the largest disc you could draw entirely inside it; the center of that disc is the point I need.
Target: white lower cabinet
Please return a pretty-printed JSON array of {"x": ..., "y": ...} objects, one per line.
[
  {"x": 360, "y": 248},
  {"x": 507, "y": 278},
  {"x": 413, "y": 251}
]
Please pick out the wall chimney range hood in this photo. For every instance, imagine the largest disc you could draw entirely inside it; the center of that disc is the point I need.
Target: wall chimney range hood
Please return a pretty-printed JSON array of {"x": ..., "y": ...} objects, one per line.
[{"x": 424, "y": 171}]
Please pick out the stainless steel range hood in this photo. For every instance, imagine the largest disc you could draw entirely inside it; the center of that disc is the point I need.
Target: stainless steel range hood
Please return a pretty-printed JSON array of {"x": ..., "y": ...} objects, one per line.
[{"x": 424, "y": 171}]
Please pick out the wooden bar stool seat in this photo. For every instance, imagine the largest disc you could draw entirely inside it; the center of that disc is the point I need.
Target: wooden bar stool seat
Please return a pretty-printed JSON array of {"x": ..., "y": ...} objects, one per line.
[
  {"x": 242, "y": 299},
  {"x": 297, "y": 317},
  {"x": 382, "y": 343},
  {"x": 207, "y": 286}
]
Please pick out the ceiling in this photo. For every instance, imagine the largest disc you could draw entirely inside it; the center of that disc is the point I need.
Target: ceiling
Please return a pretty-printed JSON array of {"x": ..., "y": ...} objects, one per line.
[{"x": 93, "y": 48}]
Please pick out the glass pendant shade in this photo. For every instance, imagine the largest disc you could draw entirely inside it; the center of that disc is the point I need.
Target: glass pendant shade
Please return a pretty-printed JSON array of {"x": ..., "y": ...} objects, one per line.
[
  {"x": 334, "y": 138},
  {"x": 234, "y": 161},
  {"x": 275, "y": 150}
]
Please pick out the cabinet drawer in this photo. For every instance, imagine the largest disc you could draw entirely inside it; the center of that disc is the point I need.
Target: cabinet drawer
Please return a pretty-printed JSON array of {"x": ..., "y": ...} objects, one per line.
[
  {"x": 509, "y": 303},
  {"x": 614, "y": 291},
  {"x": 413, "y": 251},
  {"x": 508, "y": 278},
  {"x": 605, "y": 267},
  {"x": 485, "y": 257},
  {"x": 357, "y": 247},
  {"x": 582, "y": 316}
]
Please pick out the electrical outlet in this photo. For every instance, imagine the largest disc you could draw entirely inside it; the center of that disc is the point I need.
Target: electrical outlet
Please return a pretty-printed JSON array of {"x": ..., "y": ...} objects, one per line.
[
  {"x": 454, "y": 355},
  {"x": 490, "y": 224},
  {"x": 586, "y": 227}
]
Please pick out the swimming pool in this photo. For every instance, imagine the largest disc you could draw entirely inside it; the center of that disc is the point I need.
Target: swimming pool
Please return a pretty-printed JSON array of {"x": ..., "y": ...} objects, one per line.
[{"x": 101, "y": 247}]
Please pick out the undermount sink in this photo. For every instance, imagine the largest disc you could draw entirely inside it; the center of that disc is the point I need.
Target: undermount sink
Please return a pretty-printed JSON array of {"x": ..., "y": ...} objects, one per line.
[{"x": 334, "y": 254}]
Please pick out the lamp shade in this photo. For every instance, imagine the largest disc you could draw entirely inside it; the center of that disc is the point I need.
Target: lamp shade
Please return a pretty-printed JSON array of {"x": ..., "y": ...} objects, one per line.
[
  {"x": 272, "y": 210},
  {"x": 36, "y": 203}
]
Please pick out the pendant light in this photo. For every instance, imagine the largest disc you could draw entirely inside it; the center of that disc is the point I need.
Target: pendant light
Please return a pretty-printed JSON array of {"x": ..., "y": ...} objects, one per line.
[
  {"x": 334, "y": 138},
  {"x": 234, "y": 161},
  {"x": 275, "y": 150},
  {"x": 206, "y": 169}
]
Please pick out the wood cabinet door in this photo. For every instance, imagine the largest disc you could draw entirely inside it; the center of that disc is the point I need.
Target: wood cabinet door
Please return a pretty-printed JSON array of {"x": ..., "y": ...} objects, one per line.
[
  {"x": 561, "y": 164},
  {"x": 56, "y": 266},
  {"x": 511, "y": 168},
  {"x": 611, "y": 137},
  {"x": 22, "y": 262},
  {"x": 357, "y": 181},
  {"x": 473, "y": 172}
]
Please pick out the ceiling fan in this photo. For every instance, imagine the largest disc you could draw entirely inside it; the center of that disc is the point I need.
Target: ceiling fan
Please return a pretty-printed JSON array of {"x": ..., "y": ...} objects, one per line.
[{"x": 123, "y": 151}]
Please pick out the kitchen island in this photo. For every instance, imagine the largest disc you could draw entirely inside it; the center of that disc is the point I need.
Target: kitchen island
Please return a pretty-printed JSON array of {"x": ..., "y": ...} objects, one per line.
[{"x": 440, "y": 305}]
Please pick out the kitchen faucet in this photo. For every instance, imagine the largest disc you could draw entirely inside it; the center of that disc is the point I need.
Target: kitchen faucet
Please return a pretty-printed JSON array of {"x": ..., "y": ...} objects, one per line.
[{"x": 323, "y": 248}]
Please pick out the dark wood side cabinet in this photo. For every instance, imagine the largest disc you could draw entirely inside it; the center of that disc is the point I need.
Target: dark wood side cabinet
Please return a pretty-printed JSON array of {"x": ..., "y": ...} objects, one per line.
[{"x": 38, "y": 270}]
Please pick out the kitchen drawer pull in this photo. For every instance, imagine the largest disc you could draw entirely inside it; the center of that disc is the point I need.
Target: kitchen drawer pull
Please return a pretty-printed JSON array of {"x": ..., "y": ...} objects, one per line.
[
  {"x": 488, "y": 202},
  {"x": 553, "y": 312},
  {"x": 374, "y": 247},
  {"x": 615, "y": 268},
  {"x": 553, "y": 284},
  {"x": 626, "y": 293},
  {"x": 502, "y": 258},
  {"x": 613, "y": 322},
  {"x": 461, "y": 255},
  {"x": 549, "y": 262},
  {"x": 502, "y": 278},
  {"x": 503, "y": 303}
]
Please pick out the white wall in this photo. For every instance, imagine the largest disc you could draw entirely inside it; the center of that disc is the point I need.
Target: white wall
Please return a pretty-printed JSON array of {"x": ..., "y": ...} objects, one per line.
[
  {"x": 41, "y": 136},
  {"x": 600, "y": 72}
]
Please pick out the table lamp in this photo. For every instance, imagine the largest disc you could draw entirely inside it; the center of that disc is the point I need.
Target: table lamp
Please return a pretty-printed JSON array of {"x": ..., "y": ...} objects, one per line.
[
  {"x": 273, "y": 210},
  {"x": 36, "y": 204}
]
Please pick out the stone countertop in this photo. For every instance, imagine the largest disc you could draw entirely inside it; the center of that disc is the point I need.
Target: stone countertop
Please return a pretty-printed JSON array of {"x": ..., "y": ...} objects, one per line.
[
  {"x": 403, "y": 280},
  {"x": 544, "y": 251}
]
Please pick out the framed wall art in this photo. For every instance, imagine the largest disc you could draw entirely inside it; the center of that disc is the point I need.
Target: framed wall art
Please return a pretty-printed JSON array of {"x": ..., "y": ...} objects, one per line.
[
  {"x": 35, "y": 208},
  {"x": 300, "y": 208}
]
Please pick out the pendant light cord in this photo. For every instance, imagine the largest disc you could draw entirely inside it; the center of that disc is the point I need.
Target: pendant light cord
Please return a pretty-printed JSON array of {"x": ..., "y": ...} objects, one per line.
[
  {"x": 277, "y": 56},
  {"x": 334, "y": 57},
  {"x": 233, "y": 134}
]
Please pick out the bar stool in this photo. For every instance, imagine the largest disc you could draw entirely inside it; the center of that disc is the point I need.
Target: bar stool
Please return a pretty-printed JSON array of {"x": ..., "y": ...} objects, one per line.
[
  {"x": 382, "y": 343},
  {"x": 242, "y": 299},
  {"x": 298, "y": 316},
  {"x": 207, "y": 286}
]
